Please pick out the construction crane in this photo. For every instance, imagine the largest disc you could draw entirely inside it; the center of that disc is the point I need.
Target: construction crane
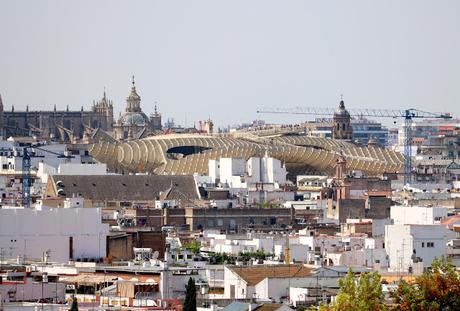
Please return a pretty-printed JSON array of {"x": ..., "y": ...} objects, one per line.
[
  {"x": 27, "y": 155},
  {"x": 408, "y": 115}
]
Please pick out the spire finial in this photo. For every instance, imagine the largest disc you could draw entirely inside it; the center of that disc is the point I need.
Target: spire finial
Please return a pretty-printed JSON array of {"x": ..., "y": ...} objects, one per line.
[
  {"x": 104, "y": 91},
  {"x": 342, "y": 103},
  {"x": 133, "y": 82}
]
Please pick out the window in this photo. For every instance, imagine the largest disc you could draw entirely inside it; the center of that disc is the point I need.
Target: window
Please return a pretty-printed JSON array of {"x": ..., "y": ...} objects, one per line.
[
  {"x": 5, "y": 166},
  {"x": 232, "y": 224},
  {"x": 423, "y": 244},
  {"x": 430, "y": 244}
]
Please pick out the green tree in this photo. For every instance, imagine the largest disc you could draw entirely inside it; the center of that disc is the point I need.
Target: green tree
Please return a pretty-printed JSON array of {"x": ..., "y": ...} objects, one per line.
[
  {"x": 362, "y": 294},
  {"x": 74, "y": 306},
  {"x": 438, "y": 288},
  {"x": 190, "y": 296},
  {"x": 193, "y": 246}
]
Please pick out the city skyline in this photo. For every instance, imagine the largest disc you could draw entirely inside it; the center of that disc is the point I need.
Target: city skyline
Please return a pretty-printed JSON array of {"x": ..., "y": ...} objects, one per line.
[{"x": 262, "y": 53}]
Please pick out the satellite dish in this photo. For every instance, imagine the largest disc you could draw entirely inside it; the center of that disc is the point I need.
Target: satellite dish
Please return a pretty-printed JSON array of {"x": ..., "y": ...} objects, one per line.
[{"x": 155, "y": 255}]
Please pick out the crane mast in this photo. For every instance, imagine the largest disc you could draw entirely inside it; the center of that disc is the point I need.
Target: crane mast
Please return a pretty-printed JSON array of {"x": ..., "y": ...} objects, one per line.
[{"x": 26, "y": 166}]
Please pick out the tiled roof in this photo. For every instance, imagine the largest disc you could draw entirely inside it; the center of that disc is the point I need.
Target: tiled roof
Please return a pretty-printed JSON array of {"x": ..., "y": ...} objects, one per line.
[
  {"x": 255, "y": 274},
  {"x": 127, "y": 187},
  {"x": 274, "y": 307},
  {"x": 451, "y": 220}
]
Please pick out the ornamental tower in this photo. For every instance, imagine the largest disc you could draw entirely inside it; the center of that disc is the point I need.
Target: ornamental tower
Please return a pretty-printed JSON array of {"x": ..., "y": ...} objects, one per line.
[{"x": 342, "y": 123}]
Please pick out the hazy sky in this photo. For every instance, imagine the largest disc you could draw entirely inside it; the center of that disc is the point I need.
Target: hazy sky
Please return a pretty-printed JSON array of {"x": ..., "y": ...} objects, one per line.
[{"x": 223, "y": 59}]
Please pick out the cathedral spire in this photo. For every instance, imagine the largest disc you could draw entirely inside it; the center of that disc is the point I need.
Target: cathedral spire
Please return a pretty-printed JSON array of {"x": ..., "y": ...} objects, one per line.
[{"x": 133, "y": 100}]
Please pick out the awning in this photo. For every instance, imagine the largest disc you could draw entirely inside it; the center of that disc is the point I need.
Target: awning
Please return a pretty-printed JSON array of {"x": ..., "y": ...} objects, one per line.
[{"x": 87, "y": 279}]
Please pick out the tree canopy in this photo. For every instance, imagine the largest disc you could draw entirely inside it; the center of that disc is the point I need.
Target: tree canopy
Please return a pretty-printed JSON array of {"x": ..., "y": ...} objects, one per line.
[
  {"x": 74, "y": 306},
  {"x": 190, "y": 296},
  {"x": 193, "y": 246},
  {"x": 358, "y": 294},
  {"x": 436, "y": 289}
]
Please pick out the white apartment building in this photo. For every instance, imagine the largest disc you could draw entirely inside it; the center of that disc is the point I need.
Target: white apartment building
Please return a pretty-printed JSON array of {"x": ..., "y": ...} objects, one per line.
[
  {"x": 11, "y": 157},
  {"x": 417, "y": 215},
  {"x": 415, "y": 235},
  {"x": 407, "y": 244},
  {"x": 233, "y": 244},
  {"x": 64, "y": 233},
  {"x": 238, "y": 173}
]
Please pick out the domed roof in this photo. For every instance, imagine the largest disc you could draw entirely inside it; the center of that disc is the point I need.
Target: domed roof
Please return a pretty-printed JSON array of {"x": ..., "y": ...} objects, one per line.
[
  {"x": 133, "y": 118},
  {"x": 342, "y": 112},
  {"x": 133, "y": 96}
]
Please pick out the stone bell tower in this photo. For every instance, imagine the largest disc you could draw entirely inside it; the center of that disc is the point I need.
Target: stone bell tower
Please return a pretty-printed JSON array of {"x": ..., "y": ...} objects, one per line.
[{"x": 342, "y": 123}]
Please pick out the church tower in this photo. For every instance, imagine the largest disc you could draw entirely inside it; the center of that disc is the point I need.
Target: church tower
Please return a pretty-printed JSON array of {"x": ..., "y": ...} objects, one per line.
[
  {"x": 133, "y": 121},
  {"x": 342, "y": 123},
  {"x": 133, "y": 101},
  {"x": 105, "y": 108},
  {"x": 155, "y": 120}
]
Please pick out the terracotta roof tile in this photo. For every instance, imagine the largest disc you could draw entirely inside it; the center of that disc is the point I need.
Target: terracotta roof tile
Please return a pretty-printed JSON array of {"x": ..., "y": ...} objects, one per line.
[{"x": 254, "y": 274}]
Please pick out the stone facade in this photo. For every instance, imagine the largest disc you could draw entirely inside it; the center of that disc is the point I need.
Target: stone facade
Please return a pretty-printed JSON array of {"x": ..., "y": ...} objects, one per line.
[
  {"x": 71, "y": 126},
  {"x": 237, "y": 219},
  {"x": 56, "y": 125}
]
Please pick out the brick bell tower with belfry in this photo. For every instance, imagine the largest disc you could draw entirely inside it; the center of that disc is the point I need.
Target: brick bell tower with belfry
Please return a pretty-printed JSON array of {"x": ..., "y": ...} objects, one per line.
[{"x": 342, "y": 185}]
